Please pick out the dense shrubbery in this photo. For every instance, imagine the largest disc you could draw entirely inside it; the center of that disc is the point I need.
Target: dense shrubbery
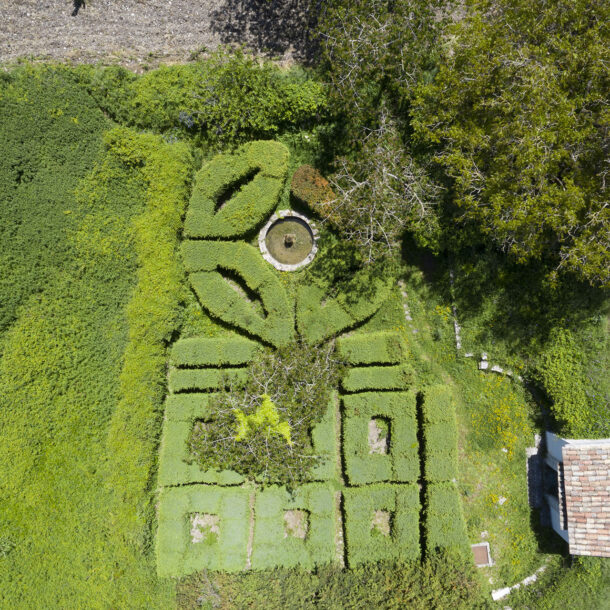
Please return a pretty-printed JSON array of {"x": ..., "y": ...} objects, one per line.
[
  {"x": 152, "y": 314},
  {"x": 441, "y": 581},
  {"x": 50, "y": 138},
  {"x": 562, "y": 373},
  {"x": 298, "y": 379},
  {"x": 519, "y": 111},
  {"x": 229, "y": 97},
  {"x": 63, "y": 356}
]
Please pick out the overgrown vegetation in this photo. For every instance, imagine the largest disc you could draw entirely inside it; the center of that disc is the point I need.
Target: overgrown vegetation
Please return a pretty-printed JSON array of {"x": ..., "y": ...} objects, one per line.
[
  {"x": 298, "y": 381},
  {"x": 484, "y": 141}
]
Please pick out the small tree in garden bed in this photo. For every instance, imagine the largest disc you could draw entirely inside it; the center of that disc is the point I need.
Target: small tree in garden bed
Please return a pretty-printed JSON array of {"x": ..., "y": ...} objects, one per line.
[
  {"x": 381, "y": 193},
  {"x": 286, "y": 394}
]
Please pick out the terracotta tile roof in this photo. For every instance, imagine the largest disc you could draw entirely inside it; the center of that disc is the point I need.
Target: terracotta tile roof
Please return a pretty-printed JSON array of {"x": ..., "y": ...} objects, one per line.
[{"x": 587, "y": 498}]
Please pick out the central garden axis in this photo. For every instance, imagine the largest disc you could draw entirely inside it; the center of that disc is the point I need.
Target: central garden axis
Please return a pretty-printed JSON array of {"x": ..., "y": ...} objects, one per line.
[{"x": 383, "y": 455}]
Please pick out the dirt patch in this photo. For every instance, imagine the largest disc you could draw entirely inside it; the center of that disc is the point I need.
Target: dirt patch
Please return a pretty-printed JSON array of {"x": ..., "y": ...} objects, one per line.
[
  {"x": 382, "y": 522},
  {"x": 296, "y": 523},
  {"x": 140, "y": 34},
  {"x": 379, "y": 436},
  {"x": 204, "y": 526}
]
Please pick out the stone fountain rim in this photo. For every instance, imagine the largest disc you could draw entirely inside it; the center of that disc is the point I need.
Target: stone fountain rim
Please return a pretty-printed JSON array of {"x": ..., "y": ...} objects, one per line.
[{"x": 262, "y": 236}]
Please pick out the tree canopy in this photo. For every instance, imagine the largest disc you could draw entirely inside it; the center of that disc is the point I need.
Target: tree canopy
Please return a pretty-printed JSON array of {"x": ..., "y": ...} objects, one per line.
[{"x": 519, "y": 115}]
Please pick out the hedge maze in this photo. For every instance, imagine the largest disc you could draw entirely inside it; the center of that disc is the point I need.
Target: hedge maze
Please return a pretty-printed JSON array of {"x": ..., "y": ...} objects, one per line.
[{"x": 388, "y": 452}]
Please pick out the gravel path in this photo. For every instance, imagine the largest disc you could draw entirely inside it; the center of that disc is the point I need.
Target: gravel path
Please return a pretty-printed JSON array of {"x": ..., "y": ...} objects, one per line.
[{"x": 142, "y": 33}]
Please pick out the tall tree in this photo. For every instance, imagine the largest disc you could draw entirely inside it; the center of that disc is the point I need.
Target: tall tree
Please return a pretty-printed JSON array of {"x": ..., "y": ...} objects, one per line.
[{"x": 520, "y": 115}]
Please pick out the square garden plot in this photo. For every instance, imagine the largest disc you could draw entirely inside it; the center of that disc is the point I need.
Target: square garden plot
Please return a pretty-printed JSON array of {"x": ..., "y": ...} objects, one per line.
[
  {"x": 177, "y": 467},
  {"x": 381, "y": 523},
  {"x": 294, "y": 530},
  {"x": 202, "y": 527},
  {"x": 380, "y": 437}
]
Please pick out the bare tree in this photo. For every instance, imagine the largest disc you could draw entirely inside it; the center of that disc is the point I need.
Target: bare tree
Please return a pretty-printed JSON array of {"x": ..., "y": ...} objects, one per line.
[{"x": 383, "y": 193}]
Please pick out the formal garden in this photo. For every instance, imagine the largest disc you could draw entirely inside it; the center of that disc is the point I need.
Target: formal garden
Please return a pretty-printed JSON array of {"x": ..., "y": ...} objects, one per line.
[{"x": 244, "y": 307}]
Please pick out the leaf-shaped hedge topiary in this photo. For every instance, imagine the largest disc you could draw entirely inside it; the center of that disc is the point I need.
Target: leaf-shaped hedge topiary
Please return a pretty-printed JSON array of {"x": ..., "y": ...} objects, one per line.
[
  {"x": 235, "y": 193},
  {"x": 213, "y": 266}
]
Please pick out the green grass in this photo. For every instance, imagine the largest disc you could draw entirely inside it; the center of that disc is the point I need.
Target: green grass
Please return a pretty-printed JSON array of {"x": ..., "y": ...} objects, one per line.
[{"x": 61, "y": 362}]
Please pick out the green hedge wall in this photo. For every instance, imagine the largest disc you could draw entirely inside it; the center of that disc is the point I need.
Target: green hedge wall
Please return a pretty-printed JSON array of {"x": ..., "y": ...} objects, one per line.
[
  {"x": 372, "y": 348},
  {"x": 184, "y": 380},
  {"x": 205, "y": 260},
  {"x": 440, "y": 435},
  {"x": 256, "y": 171},
  {"x": 204, "y": 351},
  {"x": 320, "y": 317},
  {"x": 177, "y": 555},
  {"x": 273, "y": 547},
  {"x": 445, "y": 526},
  {"x": 397, "y": 377},
  {"x": 401, "y": 463},
  {"x": 176, "y": 464},
  {"x": 324, "y": 439},
  {"x": 364, "y": 543}
]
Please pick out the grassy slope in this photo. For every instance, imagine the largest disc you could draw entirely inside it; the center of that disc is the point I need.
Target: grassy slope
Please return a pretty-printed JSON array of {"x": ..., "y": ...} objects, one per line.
[{"x": 61, "y": 361}]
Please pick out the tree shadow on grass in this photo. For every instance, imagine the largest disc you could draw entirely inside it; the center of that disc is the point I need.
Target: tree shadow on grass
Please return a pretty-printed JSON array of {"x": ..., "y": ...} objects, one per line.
[
  {"x": 506, "y": 307},
  {"x": 273, "y": 27}
]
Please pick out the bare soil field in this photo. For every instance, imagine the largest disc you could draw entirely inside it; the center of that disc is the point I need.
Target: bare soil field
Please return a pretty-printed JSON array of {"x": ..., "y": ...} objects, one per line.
[{"x": 140, "y": 34}]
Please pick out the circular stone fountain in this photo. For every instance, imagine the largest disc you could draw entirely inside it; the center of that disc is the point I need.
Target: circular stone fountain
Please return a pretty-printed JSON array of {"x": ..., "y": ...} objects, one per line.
[{"x": 288, "y": 241}]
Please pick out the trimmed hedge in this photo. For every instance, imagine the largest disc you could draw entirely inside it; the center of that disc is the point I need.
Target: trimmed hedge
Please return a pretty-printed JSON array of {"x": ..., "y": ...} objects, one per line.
[
  {"x": 324, "y": 439},
  {"x": 273, "y": 547},
  {"x": 364, "y": 543},
  {"x": 445, "y": 526},
  {"x": 401, "y": 463},
  {"x": 183, "y": 380},
  {"x": 203, "y": 351},
  {"x": 384, "y": 347},
  {"x": 320, "y": 317},
  {"x": 188, "y": 407},
  {"x": 176, "y": 464},
  {"x": 205, "y": 260},
  {"x": 257, "y": 171},
  {"x": 378, "y": 378},
  {"x": 440, "y": 435},
  {"x": 177, "y": 555}
]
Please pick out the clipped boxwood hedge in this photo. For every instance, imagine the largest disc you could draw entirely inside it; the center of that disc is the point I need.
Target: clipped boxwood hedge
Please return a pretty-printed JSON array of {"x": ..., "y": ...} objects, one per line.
[
  {"x": 226, "y": 550},
  {"x": 253, "y": 178},
  {"x": 364, "y": 543},
  {"x": 320, "y": 317},
  {"x": 205, "y": 351},
  {"x": 384, "y": 347},
  {"x": 401, "y": 463},
  {"x": 209, "y": 263},
  {"x": 397, "y": 377},
  {"x": 440, "y": 435},
  {"x": 273, "y": 546},
  {"x": 185, "y": 380},
  {"x": 445, "y": 526}
]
